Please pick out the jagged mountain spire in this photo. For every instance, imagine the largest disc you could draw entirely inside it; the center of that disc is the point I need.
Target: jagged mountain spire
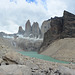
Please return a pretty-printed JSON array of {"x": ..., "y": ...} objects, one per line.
[
  {"x": 28, "y": 28},
  {"x": 21, "y": 31}
]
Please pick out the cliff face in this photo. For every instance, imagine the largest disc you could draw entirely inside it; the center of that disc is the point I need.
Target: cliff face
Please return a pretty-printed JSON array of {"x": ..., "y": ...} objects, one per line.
[
  {"x": 28, "y": 28},
  {"x": 68, "y": 24},
  {"x": 36, "y": 30},
  {"x": 61, "y": 27},
  {"x": 45, "y": 26}
]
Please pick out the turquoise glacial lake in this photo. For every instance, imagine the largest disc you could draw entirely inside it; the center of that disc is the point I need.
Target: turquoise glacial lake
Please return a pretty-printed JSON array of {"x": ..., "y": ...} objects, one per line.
[{"x": 39, "y": 56}]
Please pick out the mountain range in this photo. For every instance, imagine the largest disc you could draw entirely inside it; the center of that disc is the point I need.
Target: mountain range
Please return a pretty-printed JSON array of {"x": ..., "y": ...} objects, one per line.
[{"x": 31, "y": 31}]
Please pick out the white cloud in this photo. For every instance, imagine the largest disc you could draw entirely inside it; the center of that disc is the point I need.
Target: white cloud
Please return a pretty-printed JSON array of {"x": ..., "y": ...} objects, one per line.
[
  {"x": 11, "y": 27},
  {"x": 56, "y": 7},
  {"x": 17, "y": 13}
]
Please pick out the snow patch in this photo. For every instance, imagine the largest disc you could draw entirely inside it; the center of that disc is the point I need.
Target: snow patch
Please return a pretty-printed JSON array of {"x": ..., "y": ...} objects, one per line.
[
  {"x": 21, "y": 36},
  {"x": 8, "y": 36}
]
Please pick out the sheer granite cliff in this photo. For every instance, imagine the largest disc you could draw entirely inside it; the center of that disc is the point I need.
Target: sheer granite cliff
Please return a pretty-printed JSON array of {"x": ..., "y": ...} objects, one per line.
[{"x": 61, "y": 27}]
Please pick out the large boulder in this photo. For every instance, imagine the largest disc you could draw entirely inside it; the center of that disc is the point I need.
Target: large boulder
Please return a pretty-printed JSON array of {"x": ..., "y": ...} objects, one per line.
[
  {"x": 14, "y": 58},
  {"x": 65, "y": 71},
  {"x": 14, "y": 70}
]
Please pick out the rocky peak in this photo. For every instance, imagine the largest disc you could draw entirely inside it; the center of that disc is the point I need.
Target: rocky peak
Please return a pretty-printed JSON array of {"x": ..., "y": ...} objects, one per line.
[
  {"x": 56, "y": 25},
  {"x": 35, "y": 24},
  {"x": 21, "y": 31},
  {"x": 35, "y": 29},
  {"x": 28, "y": 28},
  {"x": 68, "y": 24},
  {"x": 28, "y": 24},
  {"x": 68, "y": 14}
]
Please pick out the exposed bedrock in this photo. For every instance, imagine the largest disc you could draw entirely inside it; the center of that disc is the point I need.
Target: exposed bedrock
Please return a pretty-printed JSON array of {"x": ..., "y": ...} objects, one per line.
[{"x": 61, "y": 27}]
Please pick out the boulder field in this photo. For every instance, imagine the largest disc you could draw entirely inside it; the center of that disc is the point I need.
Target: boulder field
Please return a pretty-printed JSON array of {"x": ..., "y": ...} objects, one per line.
[{"x": 14, "y": 63}]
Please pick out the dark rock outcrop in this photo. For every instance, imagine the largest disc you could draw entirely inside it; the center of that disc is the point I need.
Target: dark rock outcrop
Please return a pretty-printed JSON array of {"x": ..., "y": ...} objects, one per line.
[
  {"x": 61, "y": 27},
  {"x": 21, "y": 31},
  {"x": 68, "y": 24}
]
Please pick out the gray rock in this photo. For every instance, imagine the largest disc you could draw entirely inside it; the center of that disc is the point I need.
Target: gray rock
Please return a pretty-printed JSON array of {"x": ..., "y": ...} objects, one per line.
[
  {"x": 31, "y": 65},
  {"x": 14, "y": 58},
  {"x": 66, "y": 71},
  {"x": 21, "y": 31},
  {"x": 1, "y": 60},
  {"x": 14, "y": 70},
  {"x": 45, "y": 26},
  {"x": 3, "y": 63},
  {"x": 36, "y": 30},
  {"x": 29, "y": 45},
  {"x": 27, "y": 28},
  {"x": 38, "y": 73}
]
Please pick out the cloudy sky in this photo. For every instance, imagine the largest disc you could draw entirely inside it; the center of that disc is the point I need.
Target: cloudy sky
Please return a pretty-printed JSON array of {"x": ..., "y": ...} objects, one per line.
[{"x": 15, "y": 13}]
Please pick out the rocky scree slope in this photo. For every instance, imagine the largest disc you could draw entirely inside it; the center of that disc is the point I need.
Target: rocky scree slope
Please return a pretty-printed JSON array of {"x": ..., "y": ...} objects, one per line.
[
  {"x": 28, "y": 45},
  {"x": 62, "y": 49}
]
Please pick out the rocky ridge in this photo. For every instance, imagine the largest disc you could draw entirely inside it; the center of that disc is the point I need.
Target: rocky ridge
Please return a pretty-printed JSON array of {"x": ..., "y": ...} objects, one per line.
[
  {"x": 61, "y": 27},
  {"x": 35, "y": 31},
  {"x": 32, "y": 31}
]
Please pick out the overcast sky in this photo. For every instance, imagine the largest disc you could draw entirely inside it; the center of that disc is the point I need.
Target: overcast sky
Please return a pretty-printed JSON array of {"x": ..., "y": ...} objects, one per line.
[{"x": 15, "y": 13}]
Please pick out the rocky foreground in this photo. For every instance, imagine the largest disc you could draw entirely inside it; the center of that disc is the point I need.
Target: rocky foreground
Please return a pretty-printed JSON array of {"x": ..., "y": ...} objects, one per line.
[{"x": 14, "y": 63}]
